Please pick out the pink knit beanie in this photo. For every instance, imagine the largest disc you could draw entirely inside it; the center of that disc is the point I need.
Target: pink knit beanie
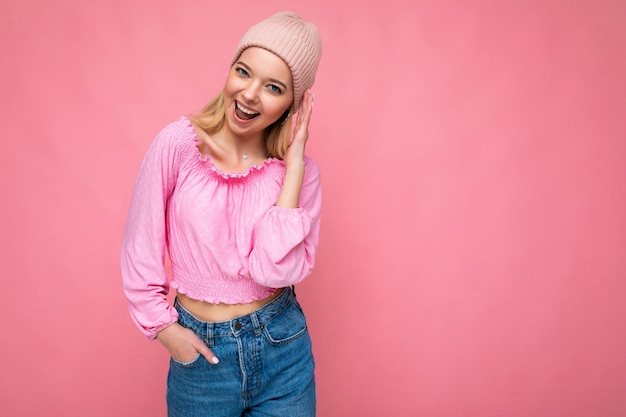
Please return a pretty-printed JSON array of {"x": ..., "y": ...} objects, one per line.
[{"x": 296, "y": 41}]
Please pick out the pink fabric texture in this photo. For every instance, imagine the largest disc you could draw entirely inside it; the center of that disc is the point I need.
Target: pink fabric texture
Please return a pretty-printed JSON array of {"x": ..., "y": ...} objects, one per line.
[{"x": 227, "y": 241}]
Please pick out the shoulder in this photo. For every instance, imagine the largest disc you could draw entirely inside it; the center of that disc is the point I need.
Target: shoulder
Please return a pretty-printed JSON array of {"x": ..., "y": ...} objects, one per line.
[
  {"x": 311, "y": 169},
  {"x": 177, "y": 130},
  {"x": 310, "y": 164},
  {"x": 174, "y": 136},
  {"x": 172, "y": 144}
]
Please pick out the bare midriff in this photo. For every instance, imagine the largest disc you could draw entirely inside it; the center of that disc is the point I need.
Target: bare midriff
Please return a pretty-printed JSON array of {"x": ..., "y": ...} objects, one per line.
[{"x": 222, "y": 312}]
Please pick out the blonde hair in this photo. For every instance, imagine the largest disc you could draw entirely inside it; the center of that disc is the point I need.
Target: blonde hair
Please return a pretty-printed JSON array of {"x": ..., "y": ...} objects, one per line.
[{"x": 276, "y": 136}]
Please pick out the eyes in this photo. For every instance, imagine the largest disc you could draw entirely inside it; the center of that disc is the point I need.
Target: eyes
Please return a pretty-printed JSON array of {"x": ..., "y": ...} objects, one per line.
[{"x": 274, "y": 88}]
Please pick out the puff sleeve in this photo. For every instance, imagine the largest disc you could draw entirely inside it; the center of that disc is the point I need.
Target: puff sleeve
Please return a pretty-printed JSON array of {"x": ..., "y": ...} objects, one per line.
[{"x": 285, "y": 240}]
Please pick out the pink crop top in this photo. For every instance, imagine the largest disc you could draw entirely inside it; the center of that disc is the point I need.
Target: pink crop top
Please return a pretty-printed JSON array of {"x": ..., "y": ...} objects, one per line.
[{"x": 227, "y": 241}]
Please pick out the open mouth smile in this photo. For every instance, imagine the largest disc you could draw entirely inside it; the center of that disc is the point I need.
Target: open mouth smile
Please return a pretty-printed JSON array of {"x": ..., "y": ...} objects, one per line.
[{"x": 244, "y": 113}]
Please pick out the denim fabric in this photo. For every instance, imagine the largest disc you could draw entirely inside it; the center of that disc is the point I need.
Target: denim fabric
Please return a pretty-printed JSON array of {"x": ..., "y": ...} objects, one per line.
[{"x": 266, "y": 366}]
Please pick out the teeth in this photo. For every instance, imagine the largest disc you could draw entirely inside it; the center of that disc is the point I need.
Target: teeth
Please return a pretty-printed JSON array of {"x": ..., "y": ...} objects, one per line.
[{"x": 246, "y": 111}]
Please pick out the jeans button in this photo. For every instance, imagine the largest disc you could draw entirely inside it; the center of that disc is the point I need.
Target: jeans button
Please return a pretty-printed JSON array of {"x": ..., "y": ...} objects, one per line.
[{"x": 238, "y": 326}]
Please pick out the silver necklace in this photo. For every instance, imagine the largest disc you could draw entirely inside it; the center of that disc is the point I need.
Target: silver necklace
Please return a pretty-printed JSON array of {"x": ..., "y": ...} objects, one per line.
[{"x": 245, "y": 156}]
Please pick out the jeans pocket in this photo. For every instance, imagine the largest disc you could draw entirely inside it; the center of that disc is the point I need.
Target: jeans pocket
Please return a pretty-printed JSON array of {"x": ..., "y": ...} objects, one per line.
[
  {"x": 287, "y": 326},
  {"x": 186, "y": 364}
]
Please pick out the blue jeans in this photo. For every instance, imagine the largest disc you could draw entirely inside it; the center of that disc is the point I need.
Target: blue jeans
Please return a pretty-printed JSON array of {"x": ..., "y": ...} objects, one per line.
[{"x": 265, "y": 369}]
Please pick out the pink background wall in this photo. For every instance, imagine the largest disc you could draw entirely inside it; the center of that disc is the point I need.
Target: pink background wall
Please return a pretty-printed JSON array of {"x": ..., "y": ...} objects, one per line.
[{"x": 473, "y": 256}]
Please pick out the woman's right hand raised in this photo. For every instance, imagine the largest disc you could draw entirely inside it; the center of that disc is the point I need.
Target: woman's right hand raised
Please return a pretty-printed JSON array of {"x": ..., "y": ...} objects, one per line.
[{"x": 184, "y": 345}]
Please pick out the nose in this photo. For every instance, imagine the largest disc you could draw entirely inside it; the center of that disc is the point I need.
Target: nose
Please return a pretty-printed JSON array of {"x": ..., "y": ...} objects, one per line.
[{"x": 251, "y": 92}]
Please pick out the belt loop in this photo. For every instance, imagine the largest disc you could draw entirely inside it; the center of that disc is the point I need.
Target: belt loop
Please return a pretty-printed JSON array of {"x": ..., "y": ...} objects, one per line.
[
  {"x": 210, "y": 334},
  {"x": 255, "y": 323},
  {"x": 293, "y": 290}
]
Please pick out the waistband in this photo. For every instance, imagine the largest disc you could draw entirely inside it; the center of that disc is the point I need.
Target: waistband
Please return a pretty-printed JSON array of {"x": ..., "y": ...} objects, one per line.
[{"x": 255, "y": 321}]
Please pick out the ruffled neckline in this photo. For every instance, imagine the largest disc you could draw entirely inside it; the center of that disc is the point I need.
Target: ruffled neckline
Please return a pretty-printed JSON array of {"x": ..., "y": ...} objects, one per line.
[{"x": 208, "y": 160}]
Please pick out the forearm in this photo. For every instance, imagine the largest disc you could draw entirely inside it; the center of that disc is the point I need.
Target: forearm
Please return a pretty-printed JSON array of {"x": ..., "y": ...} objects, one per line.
[{"x": 289, "y": 196}]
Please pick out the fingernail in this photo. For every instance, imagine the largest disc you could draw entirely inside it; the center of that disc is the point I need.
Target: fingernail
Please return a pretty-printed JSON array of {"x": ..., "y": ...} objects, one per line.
[{"x": 215, "y": 360}]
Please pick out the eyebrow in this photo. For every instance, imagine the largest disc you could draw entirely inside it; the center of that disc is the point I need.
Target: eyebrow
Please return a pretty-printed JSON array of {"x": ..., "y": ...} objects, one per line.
[{"x": 243, "y": 64}]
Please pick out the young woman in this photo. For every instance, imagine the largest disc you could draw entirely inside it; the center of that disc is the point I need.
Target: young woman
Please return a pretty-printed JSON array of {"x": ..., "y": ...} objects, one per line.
[{"x": 231, "y": 196}]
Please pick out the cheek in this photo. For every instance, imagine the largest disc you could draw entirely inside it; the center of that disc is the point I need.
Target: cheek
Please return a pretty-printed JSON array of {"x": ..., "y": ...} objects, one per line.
[
  {"x": 279, "y": 107},
  {"x": 234, "y": 83},
  {"x": 276, "y": 112},
  {"x": 230, "y": 86}
]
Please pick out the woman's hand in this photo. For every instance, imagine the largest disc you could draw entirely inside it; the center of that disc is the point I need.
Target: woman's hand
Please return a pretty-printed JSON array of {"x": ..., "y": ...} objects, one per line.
[
  {"x": 295, "y": 152},
  {"x": 294, "y": 158},
  {"x": 184, "y": 345}
]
